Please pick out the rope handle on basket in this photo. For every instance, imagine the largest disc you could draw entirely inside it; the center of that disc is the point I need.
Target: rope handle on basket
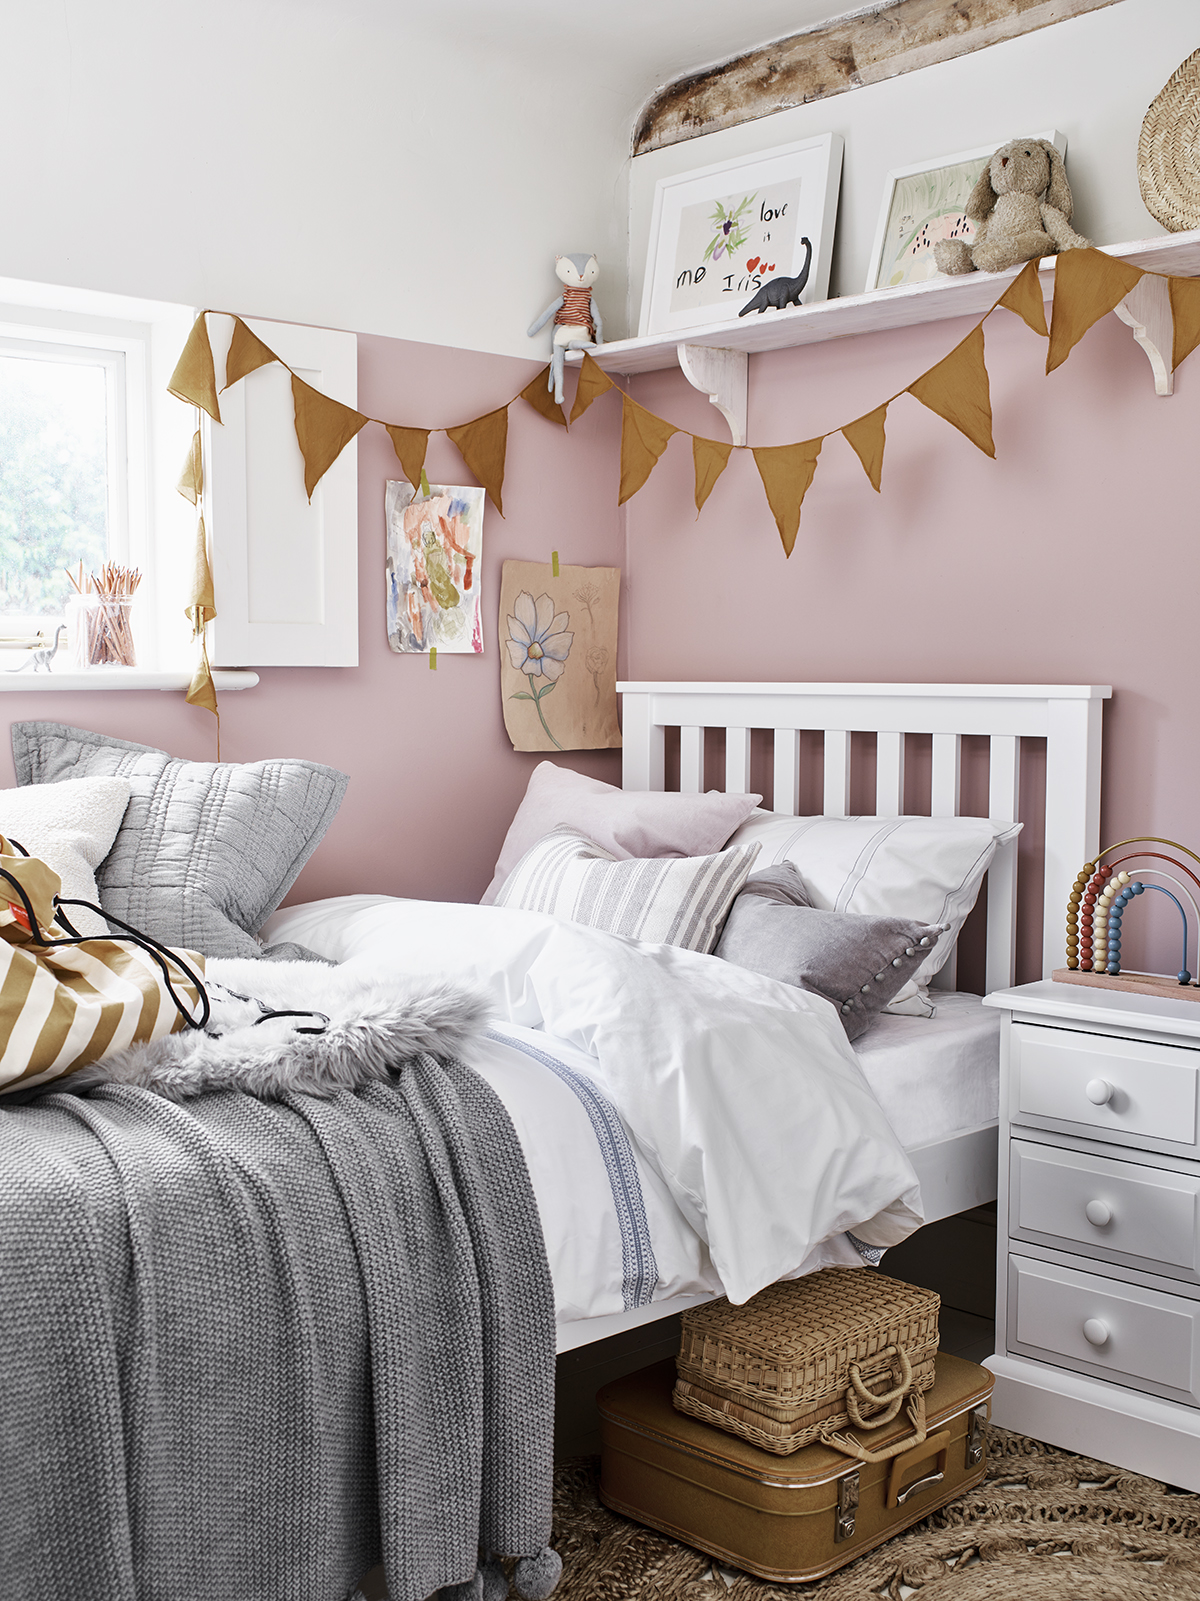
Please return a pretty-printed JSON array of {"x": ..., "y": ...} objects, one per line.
[
  {"x": 858, "y": 1391},
  {"x": 916, "y": 1413}
]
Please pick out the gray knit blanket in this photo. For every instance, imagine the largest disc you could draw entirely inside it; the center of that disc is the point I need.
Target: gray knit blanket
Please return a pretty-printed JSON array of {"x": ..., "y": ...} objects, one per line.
[{"x": 248, "y": 1347}]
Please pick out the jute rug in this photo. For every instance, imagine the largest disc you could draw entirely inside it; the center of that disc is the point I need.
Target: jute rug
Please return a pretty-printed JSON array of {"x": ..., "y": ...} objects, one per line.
[{"x": 1043, "y": 1526}]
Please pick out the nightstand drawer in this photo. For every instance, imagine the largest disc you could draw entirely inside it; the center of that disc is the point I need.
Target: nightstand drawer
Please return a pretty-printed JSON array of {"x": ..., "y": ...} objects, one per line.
[
  {"x": 1143, "y": 1216},
  {"x": 1116, "y": 1089},
  {"x": 1135, "y": 1336}
]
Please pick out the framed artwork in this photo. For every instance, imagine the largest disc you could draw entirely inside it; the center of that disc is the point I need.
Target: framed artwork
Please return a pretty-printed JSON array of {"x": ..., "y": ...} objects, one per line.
[
  {"x": 433, "y": 568},
  {"x": 718, "y": 233},
  {"x": 927, "y": 202}
]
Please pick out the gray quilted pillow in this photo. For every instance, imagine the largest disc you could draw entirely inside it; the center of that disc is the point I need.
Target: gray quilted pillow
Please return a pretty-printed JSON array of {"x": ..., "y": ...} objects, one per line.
[{"x": 206, "y": 850}]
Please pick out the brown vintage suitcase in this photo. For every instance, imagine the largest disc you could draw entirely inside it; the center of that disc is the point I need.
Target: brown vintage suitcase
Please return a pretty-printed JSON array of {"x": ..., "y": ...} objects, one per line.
[{"x": 791, "y": 1519}]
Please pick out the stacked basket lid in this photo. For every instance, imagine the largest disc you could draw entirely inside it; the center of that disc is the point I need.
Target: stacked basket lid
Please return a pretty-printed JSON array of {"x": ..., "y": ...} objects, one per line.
[{"x": 845, "y": 1347}]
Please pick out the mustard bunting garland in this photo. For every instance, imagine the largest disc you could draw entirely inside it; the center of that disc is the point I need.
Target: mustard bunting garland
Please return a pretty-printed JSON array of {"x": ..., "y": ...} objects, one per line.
[{"x": 1088, "y": 284}]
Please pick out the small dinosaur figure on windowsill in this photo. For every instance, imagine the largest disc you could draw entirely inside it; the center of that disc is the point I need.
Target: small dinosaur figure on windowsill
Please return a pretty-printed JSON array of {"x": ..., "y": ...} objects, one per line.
[{"x": 44, "y": 656}]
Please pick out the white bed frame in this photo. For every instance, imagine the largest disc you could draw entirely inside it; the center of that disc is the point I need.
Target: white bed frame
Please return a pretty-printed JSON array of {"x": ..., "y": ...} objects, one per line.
[{"x": 960, "y": 1172}]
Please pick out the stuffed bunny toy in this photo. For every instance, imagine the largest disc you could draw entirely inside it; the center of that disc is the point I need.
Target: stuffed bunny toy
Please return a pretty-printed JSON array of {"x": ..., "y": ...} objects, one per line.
[{"x": 1021, "y": 208}]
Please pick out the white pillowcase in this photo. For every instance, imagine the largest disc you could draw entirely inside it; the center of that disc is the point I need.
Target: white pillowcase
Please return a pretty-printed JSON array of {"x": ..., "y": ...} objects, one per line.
[
  {"x": 664, "y": 900},
  {"x": 925, "y": 868},
  {"x": 71, "y": 827}
]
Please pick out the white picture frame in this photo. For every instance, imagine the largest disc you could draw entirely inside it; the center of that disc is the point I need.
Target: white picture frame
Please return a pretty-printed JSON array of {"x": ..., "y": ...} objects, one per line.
[
  {"x": 931, "y": 196},
  {"x": 776, "y": 198}
]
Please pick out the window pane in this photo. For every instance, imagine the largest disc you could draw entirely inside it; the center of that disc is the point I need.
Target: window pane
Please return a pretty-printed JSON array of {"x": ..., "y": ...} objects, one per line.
[{"x": 53, "y": 480}]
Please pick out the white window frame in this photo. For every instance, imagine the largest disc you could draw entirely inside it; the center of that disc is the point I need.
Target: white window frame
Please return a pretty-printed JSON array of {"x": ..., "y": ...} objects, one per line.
[{"x": 139, "y": 341}]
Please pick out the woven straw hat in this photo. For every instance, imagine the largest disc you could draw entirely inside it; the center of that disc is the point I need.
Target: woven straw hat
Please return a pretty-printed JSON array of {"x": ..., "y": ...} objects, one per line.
[{"x": 1169, "y": 150}]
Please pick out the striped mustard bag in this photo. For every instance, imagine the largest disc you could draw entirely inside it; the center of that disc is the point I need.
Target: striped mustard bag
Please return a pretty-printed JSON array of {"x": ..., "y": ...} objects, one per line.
[{"x": 66, "y": 1000}]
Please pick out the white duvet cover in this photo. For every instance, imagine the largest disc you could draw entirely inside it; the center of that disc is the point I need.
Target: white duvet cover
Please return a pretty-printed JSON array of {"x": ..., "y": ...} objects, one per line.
[{"x": 688, "y": 1125}]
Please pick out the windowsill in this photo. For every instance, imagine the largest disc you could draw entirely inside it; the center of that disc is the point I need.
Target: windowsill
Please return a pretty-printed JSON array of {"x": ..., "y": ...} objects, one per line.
[{"x": 226, "y": 679}]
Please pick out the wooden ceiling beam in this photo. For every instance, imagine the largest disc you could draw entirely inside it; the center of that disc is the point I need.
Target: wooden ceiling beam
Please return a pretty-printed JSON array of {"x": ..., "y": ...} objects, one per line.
[{"x": 867, "y": 47}]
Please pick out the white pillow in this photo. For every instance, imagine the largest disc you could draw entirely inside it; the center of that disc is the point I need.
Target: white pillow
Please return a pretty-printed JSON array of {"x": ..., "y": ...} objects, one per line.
[
  {"x": 925, "y": 868},
  {"x": 664, "y": 900},
  {"x": 71, "y": 827}
]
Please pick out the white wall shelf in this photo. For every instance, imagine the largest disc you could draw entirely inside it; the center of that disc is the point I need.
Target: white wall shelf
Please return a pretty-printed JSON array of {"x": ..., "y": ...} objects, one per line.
[
  {"x": 714, "y": 359},
  {"x": 108, "y": 678}
]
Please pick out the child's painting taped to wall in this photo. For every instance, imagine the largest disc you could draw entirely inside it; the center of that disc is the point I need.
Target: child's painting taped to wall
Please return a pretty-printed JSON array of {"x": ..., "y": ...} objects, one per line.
[
  {"x": 434, "y": 547},
  {"x": 558, "y": 656}
]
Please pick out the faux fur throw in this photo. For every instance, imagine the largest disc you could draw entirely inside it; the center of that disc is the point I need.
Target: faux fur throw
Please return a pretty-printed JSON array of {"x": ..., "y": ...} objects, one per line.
[{"x": 342, "y": 1027}]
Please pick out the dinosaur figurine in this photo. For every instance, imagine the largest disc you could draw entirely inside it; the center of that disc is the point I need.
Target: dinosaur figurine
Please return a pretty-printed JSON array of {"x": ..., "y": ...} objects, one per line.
[
  {"x": 577, "y": 324},
  {"x": 43, "y": 657},
  {"x": 781, "y": 292}
]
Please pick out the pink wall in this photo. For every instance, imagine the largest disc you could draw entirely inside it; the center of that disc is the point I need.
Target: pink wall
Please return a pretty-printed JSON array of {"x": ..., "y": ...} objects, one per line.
[
  {"x": 1072, "y": 558},
  {"x": 433, "y": 779}
]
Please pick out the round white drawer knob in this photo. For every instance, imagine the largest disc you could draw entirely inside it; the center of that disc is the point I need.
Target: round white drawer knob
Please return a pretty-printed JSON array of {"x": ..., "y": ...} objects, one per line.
[
  {"x": 1094, "y": 1332},
  {"x": 1099, "y": 1091},
  {"x": 1099, "y": 1213}
]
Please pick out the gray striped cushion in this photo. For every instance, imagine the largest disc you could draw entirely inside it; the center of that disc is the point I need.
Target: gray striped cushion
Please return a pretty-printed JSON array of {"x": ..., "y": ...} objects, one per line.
[{"x": 665, "y": 900}]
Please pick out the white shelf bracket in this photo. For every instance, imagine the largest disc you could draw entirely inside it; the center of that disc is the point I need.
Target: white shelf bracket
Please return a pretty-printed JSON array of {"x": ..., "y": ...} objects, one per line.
[
  {"x": 1147, "y": 310},
  {"x": 721, "y": 375}
]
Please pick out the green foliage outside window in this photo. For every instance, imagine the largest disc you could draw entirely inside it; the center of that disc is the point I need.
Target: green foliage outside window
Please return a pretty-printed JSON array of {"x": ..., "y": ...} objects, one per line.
[{"x": 53, "y": 480}]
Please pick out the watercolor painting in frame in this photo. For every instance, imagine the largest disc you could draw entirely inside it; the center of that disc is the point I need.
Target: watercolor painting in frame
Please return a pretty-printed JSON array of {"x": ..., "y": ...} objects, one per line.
[
  {"x": 433, "y": 569},
  {"x": 719, "y": 233},
  {"x": 927, "y": 202}
]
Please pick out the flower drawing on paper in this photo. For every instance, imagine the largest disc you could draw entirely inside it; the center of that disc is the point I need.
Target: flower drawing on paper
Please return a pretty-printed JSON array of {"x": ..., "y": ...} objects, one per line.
[
  {"x": 596, "y": 661},
  {"x": 729, "y": 230},
  {"x": 587, "y": 595},
  {"x": 538, "y": 645}
]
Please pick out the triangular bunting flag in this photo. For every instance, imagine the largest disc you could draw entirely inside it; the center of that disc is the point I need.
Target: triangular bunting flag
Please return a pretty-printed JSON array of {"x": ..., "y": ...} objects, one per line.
[
  {"x": 1087, "y": 283},
  {"x": 957, "y": 389},
  {"x": 1024, "y": 296},
  {"x": 191, "y": 479},
  {"x": 710, "y": 457},
  {"x": 644, "y": 437},
  {"x": 786, "y": 472},
  {"x": 202, "y": 691},
  {"x": 194, "y": 379},
  {"x": 482, "y": 444},
  {"x": 1185, "y": 309},
  {"x": 324, "y": 428},
  {"x": 201, "y": 608},
  {"x": 202, "y": 605},
  {"x": 866, "y": 437},
  {"x": 410, "y": 445},
  {"x": 247, "y": 354},
  {"x": 593, "y": 382},
  {"x": 541, "y": 397}
]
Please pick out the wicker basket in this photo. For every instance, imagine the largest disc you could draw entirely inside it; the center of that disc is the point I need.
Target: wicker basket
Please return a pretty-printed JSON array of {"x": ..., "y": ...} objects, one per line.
[
  {"x": 1169, "y": 150},
  {"x": 808, "y": 1358}
]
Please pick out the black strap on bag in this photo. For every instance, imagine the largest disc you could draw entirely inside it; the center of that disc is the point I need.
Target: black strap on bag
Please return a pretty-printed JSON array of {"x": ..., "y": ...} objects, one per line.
[{"x": 161, "y": 954}]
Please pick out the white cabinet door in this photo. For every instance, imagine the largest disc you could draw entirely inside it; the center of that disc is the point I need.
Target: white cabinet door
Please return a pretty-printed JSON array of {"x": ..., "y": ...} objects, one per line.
[{"x": 285, "y": 572}]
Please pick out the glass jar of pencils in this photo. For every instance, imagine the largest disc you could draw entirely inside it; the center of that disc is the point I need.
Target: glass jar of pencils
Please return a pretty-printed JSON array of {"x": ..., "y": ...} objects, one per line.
[{"x": 99, "y": 625}]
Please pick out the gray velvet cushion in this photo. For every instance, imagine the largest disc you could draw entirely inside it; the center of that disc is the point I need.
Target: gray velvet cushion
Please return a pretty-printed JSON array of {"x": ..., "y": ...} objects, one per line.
[
  {"x": 206, "y": 850},
  {"x": 856, "y": 961}
]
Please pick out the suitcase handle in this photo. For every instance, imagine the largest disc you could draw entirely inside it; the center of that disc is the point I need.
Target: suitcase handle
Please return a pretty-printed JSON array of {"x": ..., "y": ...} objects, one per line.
[
  {"x": 916, "y": 1414},
  {"x": 858, "y": 1391}
]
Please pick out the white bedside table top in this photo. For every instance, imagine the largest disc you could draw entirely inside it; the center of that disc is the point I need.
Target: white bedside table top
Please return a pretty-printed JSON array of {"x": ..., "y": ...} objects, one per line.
[{"x": 1114, "y": 1008}]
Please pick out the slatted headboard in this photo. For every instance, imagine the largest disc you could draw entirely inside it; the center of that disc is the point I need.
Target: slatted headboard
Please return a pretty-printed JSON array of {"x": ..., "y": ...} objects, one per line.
[{"x": 1066, "y": 716}]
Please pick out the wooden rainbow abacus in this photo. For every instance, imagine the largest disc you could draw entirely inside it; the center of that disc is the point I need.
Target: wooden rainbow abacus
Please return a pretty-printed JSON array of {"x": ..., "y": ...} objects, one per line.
[{"x": 1099, "y": 898}]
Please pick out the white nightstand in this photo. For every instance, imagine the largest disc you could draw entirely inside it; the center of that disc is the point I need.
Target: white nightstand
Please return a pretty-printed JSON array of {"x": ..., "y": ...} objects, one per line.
[{"x": 1098, "y": 1294}]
